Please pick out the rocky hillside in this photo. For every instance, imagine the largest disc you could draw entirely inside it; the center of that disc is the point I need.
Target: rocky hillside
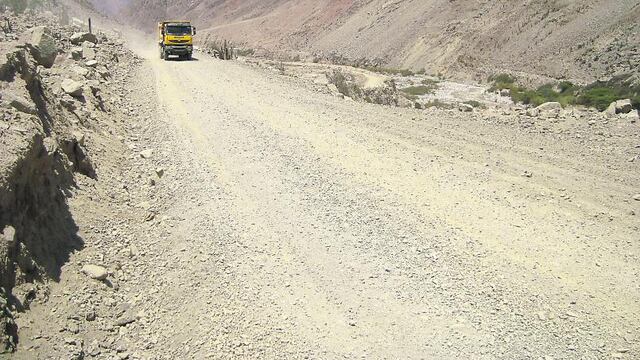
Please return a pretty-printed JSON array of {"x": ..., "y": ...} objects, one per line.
[{"x": 580, "y": 40}]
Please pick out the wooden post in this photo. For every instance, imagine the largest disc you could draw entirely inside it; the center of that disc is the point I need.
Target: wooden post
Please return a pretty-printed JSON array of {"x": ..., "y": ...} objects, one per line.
[{"x": 90, "y": 30}]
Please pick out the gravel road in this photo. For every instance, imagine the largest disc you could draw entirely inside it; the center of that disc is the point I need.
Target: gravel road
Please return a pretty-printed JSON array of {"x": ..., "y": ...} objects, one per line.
[{"x": 298, "y": 224}]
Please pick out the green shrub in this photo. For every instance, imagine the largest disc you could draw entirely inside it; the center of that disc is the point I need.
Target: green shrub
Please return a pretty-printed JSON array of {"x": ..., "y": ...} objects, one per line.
[{"x": 418, "y": 90}]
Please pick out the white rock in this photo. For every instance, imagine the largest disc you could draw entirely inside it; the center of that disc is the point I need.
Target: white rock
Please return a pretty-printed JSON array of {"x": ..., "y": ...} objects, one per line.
[
  {"x": 95, "y": 272},
  {"x": 146, "y": 154},
  {"x": 72, "y": 88}
]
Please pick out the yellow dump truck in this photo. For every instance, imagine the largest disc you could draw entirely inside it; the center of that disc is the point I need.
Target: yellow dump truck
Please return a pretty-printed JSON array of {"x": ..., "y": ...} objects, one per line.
[{"x": 176, "y": 38}]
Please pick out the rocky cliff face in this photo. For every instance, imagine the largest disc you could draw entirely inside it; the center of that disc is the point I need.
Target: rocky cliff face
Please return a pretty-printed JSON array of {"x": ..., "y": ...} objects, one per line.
[{"x": 581, "y": 40}]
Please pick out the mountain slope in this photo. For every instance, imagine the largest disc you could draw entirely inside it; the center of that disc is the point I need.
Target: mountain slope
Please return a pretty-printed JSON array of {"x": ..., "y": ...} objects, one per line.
[{"x": 580, "y": 40}]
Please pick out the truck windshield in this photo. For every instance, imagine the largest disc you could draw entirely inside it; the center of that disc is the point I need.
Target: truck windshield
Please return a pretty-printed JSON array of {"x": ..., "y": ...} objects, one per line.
[{"x": 178, "y": 30}]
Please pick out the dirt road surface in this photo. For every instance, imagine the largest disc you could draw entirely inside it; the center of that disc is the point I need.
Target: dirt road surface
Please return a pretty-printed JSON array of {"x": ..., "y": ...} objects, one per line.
[
  {"x": 316, "y": 227},
  {"x": 290, "y": 223}
]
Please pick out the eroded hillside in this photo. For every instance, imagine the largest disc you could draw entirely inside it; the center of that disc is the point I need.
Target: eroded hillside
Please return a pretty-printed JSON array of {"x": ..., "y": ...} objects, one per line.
[{"x": 579, "y": 40}]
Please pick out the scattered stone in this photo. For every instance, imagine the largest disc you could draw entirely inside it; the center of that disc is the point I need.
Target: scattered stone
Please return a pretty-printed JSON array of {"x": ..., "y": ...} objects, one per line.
[
  {"x": 72, "y": 88},
  {"x": 92, "y": 63},
  {"x": 146, "y": 154},
  {"x": 95, "y": 272},
  {"x": 79, "y": 38},
  {"x": 505, "y": 92},
  {"x": 636, "y": 197},
  {"x": 160, "y": 172},
  {"x": 527, "y": 174}
]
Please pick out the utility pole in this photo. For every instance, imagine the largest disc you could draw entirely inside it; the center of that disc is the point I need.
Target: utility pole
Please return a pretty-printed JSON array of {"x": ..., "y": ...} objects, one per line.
[{"x": 90, "y": 32}]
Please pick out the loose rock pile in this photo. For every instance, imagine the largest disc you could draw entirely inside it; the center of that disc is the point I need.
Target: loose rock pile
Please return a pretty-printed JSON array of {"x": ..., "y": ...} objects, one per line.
[{"x": 61, "y": 104}]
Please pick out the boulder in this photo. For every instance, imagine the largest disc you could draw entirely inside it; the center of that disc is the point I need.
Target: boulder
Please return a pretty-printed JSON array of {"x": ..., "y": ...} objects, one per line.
[
  {"x": 623, "y": 106},
  {"x": 79, "y": 38},
  {"x": 72, "y": 88},
  {"x": 42, "y": 46},
  {"x": 505, "y": 92},
  {"x": 91, "y": 63}
]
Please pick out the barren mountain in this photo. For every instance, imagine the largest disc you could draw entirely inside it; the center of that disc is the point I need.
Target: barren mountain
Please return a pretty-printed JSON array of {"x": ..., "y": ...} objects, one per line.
[{"x": 581, "y": 40}]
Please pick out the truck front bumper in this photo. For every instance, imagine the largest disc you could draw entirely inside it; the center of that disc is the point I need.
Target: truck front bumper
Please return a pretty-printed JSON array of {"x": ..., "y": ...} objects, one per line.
[{"x": 178, "y": 49}]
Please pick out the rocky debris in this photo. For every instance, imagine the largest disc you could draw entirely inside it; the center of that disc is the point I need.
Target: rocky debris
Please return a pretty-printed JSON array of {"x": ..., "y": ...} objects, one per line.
[
  {"x": 72, "y": 87},
  {"x": 636, "y": 197},
  {"x": 81, "y": 37},
  {"x": 95, "y": 272},
  {"x": 42, "y": 46},
  {"x": 50, "y": 107}
]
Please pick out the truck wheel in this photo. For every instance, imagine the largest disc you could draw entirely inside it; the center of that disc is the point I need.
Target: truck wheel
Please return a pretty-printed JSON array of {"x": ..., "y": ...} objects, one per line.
[{"x": 189, "y": 57}]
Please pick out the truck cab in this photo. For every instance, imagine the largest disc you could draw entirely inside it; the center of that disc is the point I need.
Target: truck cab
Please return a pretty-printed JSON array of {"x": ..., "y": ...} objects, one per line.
[{"x": 176, "y": 39}]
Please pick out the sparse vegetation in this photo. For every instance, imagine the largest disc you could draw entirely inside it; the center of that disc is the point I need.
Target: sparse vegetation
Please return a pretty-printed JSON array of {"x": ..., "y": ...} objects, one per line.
[
  {"x": 597, "y": 95},
  {"x": 221, "y": 49},
  {"x": 438, "y": 104},
  {"x": 475, "y": 104},
  {"x": 418, "y": 90},
  {"x": 245, "y": 52}
]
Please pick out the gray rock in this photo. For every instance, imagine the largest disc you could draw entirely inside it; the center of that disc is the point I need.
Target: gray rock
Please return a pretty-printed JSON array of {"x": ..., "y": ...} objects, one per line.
[
  {"x": 79, "y": 38},
  {"x": 72, "y": 88},
  {"x": 505, "y": 92},
  {"x": 76, "y": 53},
  {"x": 636, "y": 197},
  {"x": 91, "y": 63},
  {"x": 20, "y": 103},
  {"x": 95, "y": 272},
  {"x": 42, "y": 46}
]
